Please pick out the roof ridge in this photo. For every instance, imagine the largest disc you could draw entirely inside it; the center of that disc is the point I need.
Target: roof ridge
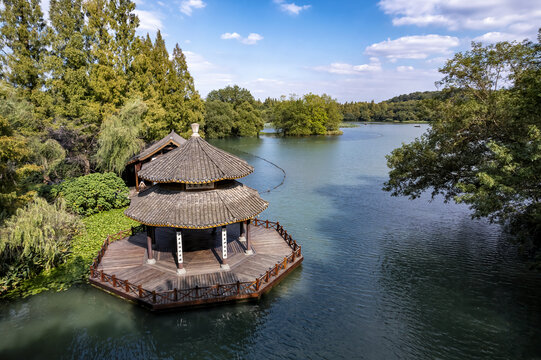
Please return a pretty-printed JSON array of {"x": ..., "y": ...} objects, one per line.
[{"x": 209, "y": 156}]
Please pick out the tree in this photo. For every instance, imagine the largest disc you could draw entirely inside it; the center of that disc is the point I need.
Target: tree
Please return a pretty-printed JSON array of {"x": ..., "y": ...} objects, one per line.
[
  {"x": 69, "y": 64},
  {"x": 14, "y": 170},
  {"x": 166, "y": 87},
  {"x": 119, "y": 138},
  {"x": 24, "y": 40},
  {"x": 246, "y": 117},
  {"x": 219, "y": 117},
  {"x": 484, "y": 145},
  {"x": 309, "y": 115},
  {"x": 37, "y": 238}
]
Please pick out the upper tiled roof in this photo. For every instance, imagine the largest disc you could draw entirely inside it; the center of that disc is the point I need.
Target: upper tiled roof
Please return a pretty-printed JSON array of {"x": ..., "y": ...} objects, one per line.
[
  {"x": 195, "y": 162},
  {"x": 172, "y": 138}
]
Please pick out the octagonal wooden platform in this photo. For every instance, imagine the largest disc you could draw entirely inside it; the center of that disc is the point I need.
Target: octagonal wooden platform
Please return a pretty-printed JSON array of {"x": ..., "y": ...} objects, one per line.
[{"x": 121, "y": 267}]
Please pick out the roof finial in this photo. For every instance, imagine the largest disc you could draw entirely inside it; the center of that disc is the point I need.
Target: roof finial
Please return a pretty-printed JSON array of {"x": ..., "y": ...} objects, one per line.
[{"x": 195, "y": 130}]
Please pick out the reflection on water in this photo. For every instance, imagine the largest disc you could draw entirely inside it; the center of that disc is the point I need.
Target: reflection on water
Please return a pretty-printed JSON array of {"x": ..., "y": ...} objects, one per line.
[{"x": 383, "y": 277}]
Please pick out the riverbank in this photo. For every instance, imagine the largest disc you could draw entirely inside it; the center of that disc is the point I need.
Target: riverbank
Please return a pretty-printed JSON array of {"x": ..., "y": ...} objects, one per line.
[{"x": 84, "y": 247}]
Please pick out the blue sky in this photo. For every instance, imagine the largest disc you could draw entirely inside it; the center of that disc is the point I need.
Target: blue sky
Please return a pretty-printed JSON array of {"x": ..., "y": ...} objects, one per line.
[{"x": 352, "y": 50}]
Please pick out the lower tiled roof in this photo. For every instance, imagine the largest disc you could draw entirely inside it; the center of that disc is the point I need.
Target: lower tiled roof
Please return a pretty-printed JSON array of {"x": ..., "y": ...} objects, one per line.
[{"x": 168, "y": 205}]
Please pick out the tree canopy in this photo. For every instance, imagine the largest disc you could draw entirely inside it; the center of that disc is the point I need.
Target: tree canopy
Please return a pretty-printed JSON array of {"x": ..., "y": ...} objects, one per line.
[
  {"x": 232, "y": 111},
  {"x": 309, "y": 115},
  {"x": 484, "y": 145}
]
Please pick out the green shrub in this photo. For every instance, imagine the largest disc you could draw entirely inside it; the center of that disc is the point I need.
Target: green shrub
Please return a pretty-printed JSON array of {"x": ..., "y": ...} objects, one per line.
[
  {"x": 36, "y": 238},
  {"x": 90, "y": 194}
]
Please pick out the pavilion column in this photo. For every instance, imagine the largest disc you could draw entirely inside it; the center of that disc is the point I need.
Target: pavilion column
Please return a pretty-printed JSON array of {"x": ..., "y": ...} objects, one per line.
[
  {"x": 150, "y": 236},
  {"x": 242, "y": 236},
  {"x": 248, "y": 242},
  {"x": 225, "y": 265},
  {"x": 180, "y": 260},
  {"x": 137, "y": 168}
]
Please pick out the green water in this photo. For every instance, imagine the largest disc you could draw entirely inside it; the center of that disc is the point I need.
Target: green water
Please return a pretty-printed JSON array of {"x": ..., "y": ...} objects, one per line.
[{"x": 383, "y": 278}]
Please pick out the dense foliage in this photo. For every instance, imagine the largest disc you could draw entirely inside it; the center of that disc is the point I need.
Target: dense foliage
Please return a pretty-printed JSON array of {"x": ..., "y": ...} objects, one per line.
[
  {"x": 414, "y": 107},
  {"x": 309, "y": 115},
  {"x": 36, "y": 238},
  {"x": 82, "y": 92},
  {"x": 484, "y": 144},
  {"x": 232, "y": 111},
  {"x": 84, "y": 247},
  {"x": 90, "y": 194}
]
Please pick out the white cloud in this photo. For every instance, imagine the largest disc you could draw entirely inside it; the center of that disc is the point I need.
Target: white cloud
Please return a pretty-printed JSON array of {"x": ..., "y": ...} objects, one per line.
[
  {"x": 251, "y": 39},
  {"x": 513, "y": 16},
  {"x": 413, "y": 47},
  {"x": 349, "y": 69},
  {"x": 404, "y": 68},
  {"x": 227, "y": 36},
  {"x": 495, "y": 36},
  {"x": 197, "y": 62},
  {"x": 291, "y": 8},
  {"x": 148, "y": 20},
  {"x": 187, "y": 6}
]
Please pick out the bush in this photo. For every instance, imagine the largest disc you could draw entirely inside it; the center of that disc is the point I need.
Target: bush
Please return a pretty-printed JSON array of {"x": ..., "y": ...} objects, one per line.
[
  {"x": 36, "y": 238},
  {"x": 90, "y": 194}
]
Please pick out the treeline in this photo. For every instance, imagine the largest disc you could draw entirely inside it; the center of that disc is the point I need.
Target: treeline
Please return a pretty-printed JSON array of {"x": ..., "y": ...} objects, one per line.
[
  {"x": 412, "y": 107},
  {"x": 82, "y": 92},
  {"x": 233, "y": 111}
]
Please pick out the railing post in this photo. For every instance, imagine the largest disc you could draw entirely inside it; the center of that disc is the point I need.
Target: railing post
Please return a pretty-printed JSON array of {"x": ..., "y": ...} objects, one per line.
[
  {"x": 257, "y": 284},
  {"x": 293, "y": 257},
  {"x": 114, "y": 280},
  {"x": 101, "y": 275},
  {"x": 140, "y": 290},
  {"x": 92, "y": 270},
  {"x": 217, "y": 289},
  {"x": 275, "y": 269},
  {"x": 267, "y": 276},
  {"x": 238, "y": 287},
  {"x": 196, "y": 291},
  {"x": 267, "y": 224},
  {"x": 285, "y": 262},
  {"x": 127, "y": 286},
  {"x": 176, "y": 294},
  {"x": 154, "y": 296}
]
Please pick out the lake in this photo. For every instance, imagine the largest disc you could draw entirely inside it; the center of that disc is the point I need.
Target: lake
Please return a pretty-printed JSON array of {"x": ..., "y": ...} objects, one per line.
[{"x": 383, "y": 277}]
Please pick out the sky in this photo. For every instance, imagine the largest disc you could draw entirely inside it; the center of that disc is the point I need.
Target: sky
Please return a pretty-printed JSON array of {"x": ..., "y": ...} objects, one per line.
[{"x": 352, "y": 50}]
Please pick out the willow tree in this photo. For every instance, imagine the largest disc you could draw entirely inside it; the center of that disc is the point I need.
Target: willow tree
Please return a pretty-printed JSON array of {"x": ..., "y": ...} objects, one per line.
[
  {"x": 119, "y": 138},
  {"x": 484, "y": 146}
]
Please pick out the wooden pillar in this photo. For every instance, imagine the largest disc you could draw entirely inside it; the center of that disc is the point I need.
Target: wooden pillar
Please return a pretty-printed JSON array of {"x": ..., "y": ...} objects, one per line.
[
  {"x": 137, "y": 168},
  {"x": 180, "y": 260},
  {"x": 150, "y": 235},
  {"x": 248, "y": 242},
  {"x": 242, "y": 234},
  {"x": 224, "y": 265}
]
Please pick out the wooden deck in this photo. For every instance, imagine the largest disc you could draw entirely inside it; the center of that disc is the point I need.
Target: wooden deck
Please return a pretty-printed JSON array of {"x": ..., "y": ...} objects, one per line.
[{"x": 123, "y": 267}]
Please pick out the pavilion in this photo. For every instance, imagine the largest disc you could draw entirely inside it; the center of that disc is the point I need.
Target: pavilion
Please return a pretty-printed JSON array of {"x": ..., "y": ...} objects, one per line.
[
  {"x": 175, "y": 258},
  {"x": 195, "y": 189}
]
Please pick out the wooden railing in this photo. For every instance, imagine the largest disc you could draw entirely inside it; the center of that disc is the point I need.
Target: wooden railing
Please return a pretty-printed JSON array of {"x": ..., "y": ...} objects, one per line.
[{"x": 178, "y": 296}]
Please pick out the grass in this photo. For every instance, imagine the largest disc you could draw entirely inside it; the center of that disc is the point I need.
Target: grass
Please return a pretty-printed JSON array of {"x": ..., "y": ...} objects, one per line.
[{"x": 84, "y": 247}]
